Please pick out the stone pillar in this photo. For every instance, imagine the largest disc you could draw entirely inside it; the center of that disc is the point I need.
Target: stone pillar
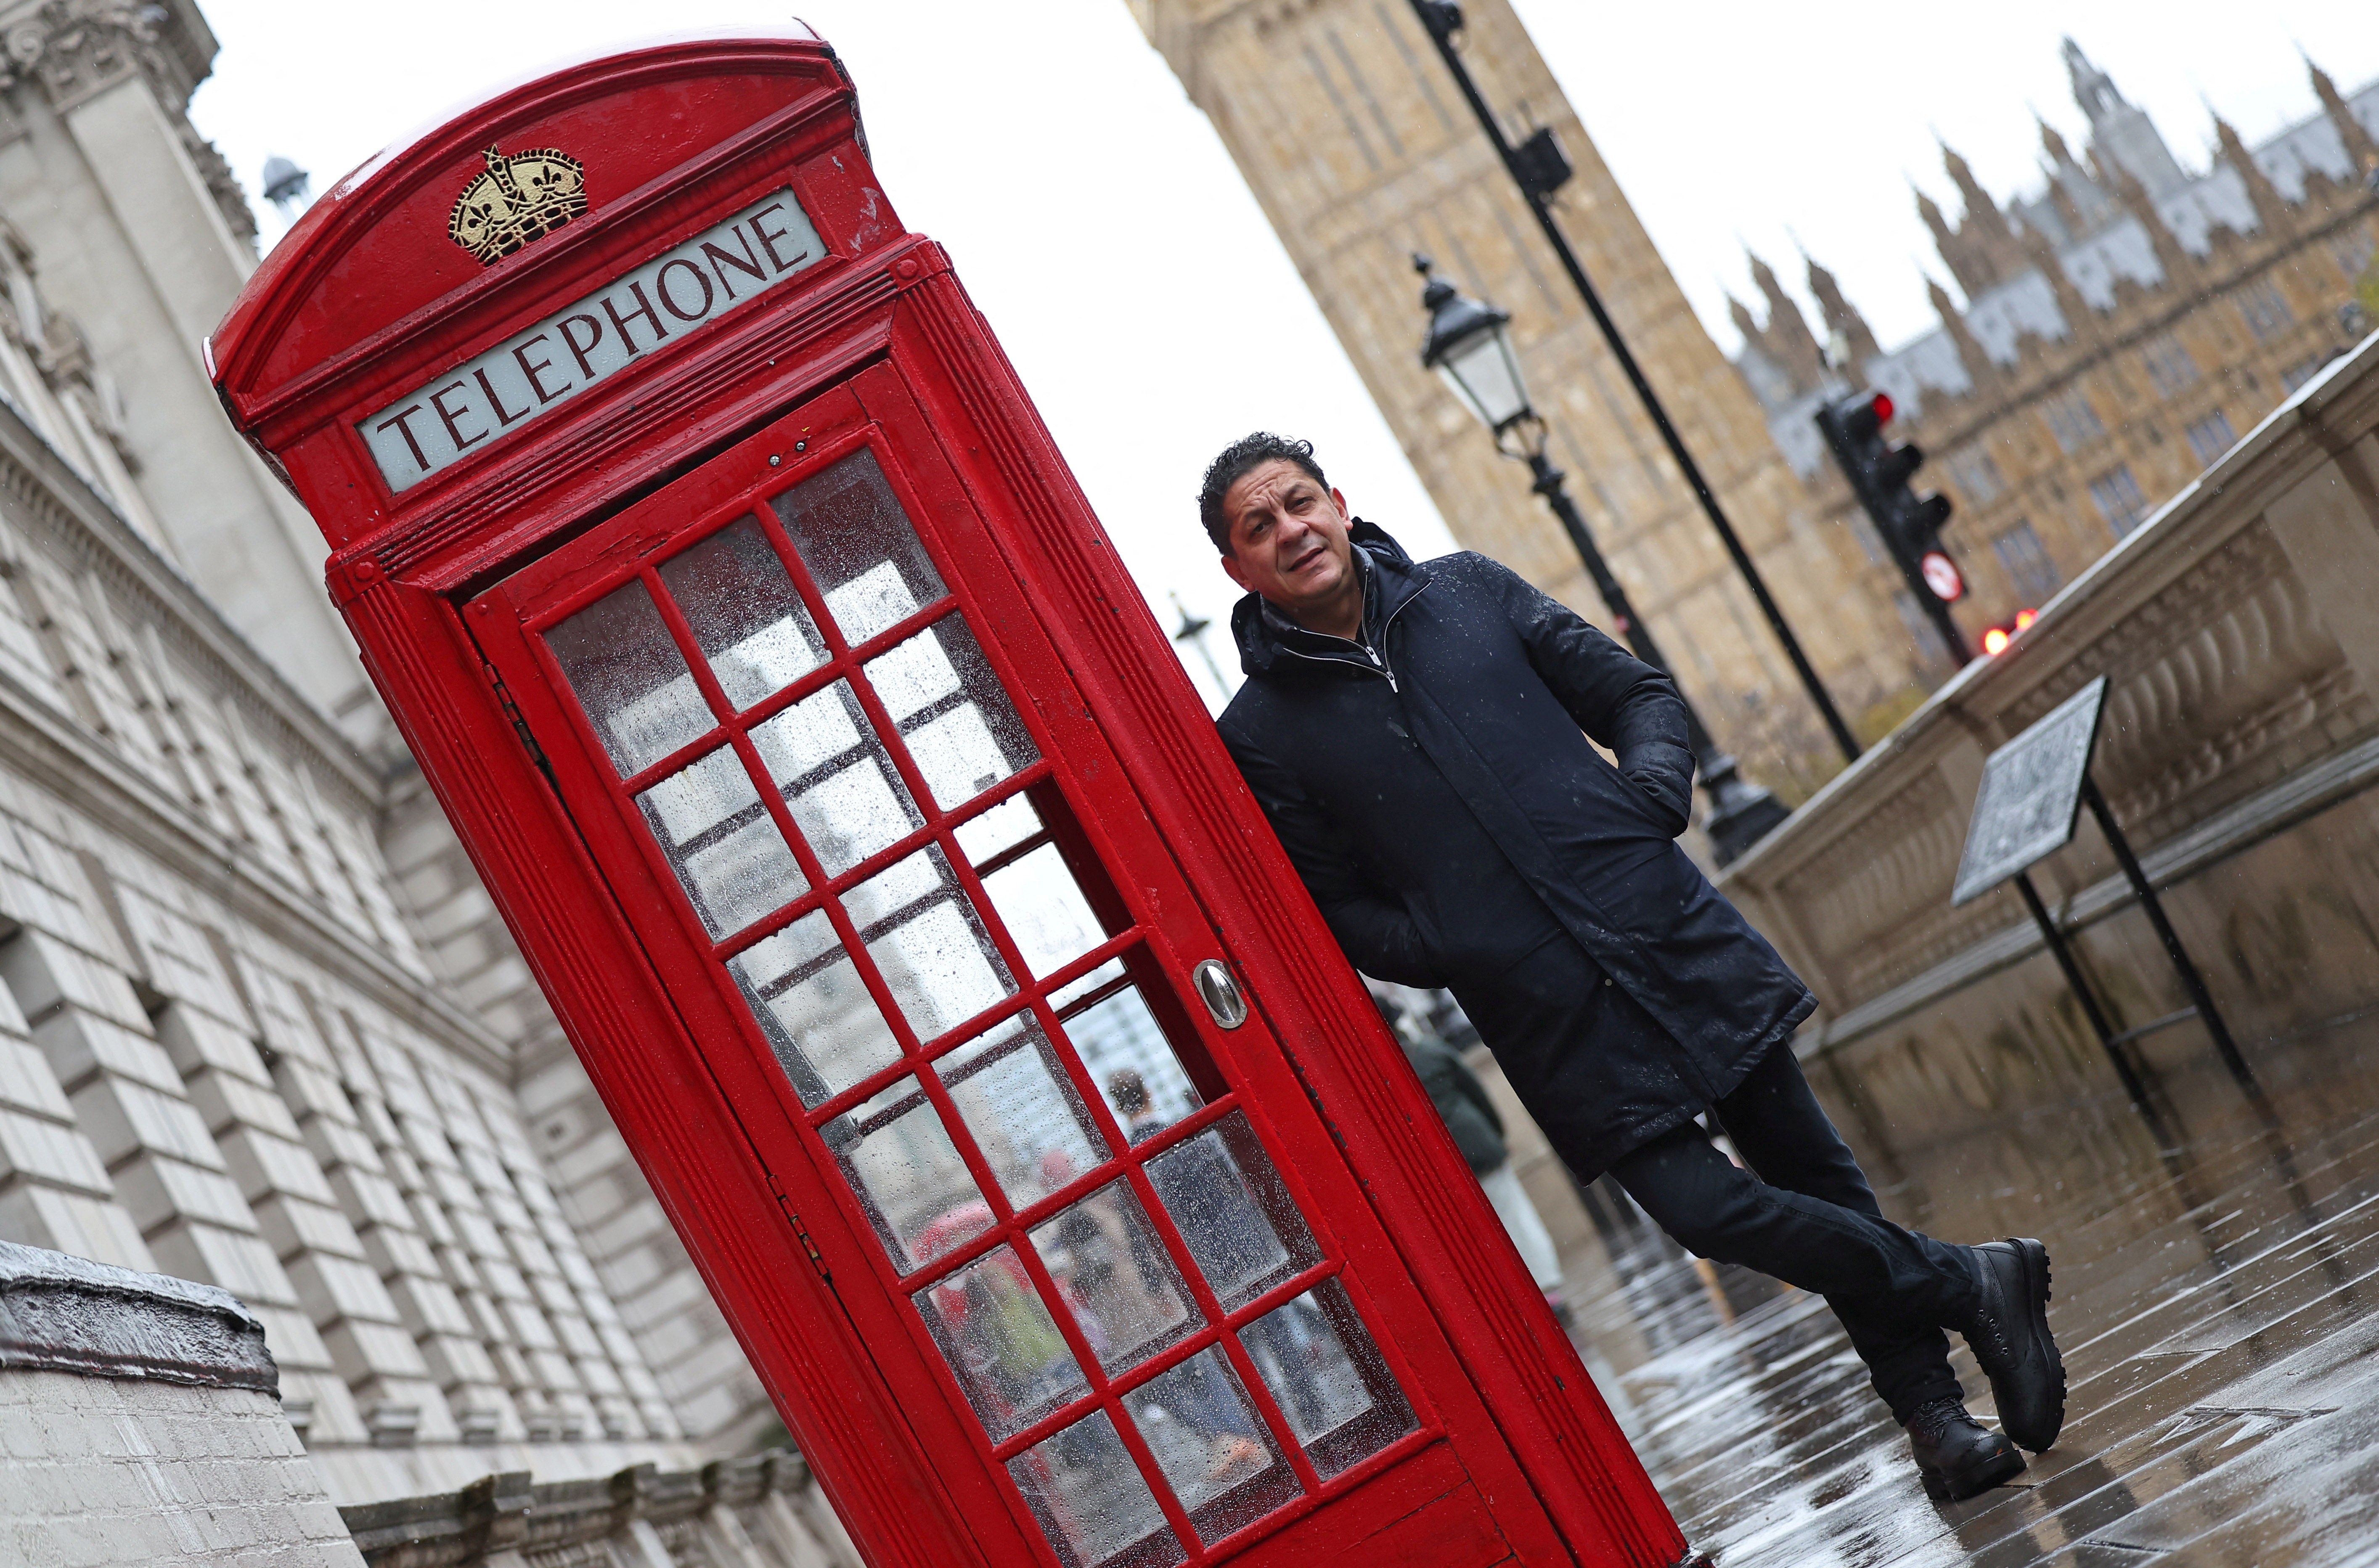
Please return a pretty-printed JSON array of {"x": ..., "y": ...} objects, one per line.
[{"x": 139, "y": 1422}]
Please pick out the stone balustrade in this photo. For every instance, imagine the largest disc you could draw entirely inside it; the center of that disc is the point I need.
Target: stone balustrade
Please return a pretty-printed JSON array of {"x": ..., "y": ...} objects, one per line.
[
  {"x": 759, "y": 1512},
  {"x": 2238, "y": 629}
]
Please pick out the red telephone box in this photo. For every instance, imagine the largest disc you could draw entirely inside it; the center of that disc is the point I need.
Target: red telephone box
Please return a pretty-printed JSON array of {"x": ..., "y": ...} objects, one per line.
[{"x": 881, "y": 863}]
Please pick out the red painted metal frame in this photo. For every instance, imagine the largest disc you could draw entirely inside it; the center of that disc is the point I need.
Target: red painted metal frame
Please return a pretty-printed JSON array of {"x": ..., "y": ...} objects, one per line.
[{"x": 1516, "y": 1457}]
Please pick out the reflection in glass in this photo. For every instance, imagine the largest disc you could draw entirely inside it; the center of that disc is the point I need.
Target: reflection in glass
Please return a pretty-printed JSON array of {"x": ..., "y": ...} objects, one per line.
[
  {"x": 1116, "y": 1279},
  {"x": 837, "y": 778},
  {"x": 1212, "y": 1446},
  {"x": 810, "y": 1004},
  {"x": 1035, "y": 897},
  {"x": 859, "y": 546},
  {"x": 1003, "y": 827},
  {"x": 1238, "y": 1219},
  {"x": 1001, "y": 1342},
  {"x": 630, "y": 678},
  {"x": 721, "y": 841},
  {"x": 1013, "y": 1096},
  {"x": 1326, "y": 1376},
  {"x": 957, "y": 722},
  {"x": 746, "y": 616},
  {"x": 917, "y": 1191},
  {"x": 1091, "y": 1498},
  {"x": 923, "y": 933},
  {"x": 1128, "y": 1058}
]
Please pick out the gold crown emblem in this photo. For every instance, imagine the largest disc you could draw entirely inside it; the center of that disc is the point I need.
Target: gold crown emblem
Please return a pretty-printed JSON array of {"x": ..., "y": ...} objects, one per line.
[{"x": 518, "y": 199}]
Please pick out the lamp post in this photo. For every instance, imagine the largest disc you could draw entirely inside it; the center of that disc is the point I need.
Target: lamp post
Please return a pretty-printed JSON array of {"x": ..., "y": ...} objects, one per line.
[
  {"x": 1538, "y": 167},
  {"x": 1470, "y": 346}
]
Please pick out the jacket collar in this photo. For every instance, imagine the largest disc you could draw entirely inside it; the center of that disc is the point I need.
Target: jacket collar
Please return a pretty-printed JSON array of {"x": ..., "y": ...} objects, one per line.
[{"x": 1266, "y": 637}]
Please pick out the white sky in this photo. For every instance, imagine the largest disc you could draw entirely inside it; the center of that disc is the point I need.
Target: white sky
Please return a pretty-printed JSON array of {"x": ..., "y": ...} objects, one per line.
[{"x": 1103, "y": 230}]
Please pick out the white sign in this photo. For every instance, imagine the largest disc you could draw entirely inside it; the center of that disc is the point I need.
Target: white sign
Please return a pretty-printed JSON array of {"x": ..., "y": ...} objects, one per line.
[
  {"x": 452, "y": 415},
  {"x": 1941, "y": 576},
  {"x": 2031, "y": 787}
]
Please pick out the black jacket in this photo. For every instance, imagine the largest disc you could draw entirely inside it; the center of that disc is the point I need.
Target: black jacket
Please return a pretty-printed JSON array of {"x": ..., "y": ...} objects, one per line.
[{"x": 1436, "y": 788}]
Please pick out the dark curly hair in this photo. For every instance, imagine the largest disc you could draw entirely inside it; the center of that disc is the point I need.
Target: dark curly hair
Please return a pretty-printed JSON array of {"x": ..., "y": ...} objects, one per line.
[{"x": 1234, "y": 461}]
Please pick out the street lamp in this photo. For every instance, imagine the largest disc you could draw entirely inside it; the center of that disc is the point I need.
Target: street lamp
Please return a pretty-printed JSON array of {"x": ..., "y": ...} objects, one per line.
[
  {"x": 1470, "y": 346},
  {"x": 1539, "y": 168}
]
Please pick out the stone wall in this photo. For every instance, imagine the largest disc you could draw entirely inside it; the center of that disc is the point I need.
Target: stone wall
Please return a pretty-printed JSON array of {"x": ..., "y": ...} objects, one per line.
[
  {"x": 139, "y": 1423},
  {"x": 2239, "y": 746}
]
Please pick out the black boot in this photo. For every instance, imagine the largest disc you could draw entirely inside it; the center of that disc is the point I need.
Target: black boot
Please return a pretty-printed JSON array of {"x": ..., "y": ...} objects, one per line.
[
  {"x": 1955, "y": 1455},
  {"x": 2012, "y": 1342}
]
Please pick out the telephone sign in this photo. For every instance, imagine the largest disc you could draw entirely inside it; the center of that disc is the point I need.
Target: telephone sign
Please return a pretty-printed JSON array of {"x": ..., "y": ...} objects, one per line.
[{"x": 879, "y": 861}]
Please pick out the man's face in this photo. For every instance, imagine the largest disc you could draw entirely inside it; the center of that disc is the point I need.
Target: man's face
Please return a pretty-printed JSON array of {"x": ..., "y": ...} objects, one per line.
[{"x": 1288, "y": 538}]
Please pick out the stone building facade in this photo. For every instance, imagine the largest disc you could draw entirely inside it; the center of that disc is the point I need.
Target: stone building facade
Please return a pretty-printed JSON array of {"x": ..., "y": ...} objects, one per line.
[
  {"x": 2123, "y": 327},
  {"x": 1361, "y": 150},
  {"x": 260, "y": 1026}
]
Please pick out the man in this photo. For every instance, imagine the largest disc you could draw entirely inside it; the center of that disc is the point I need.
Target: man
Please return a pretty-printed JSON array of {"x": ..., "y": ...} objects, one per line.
[{"x": 1419, "y": 737}]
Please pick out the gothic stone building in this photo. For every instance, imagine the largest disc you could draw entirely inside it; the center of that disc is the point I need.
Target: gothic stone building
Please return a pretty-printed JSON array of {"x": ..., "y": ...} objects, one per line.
[
  {"x": 2121, "y": 329},
  {"x": 259, "y": 1025}
]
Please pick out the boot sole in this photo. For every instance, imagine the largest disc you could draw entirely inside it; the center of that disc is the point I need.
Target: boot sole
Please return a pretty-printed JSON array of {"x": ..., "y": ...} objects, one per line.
[
  {"x": 1974, "y": 1480},
  {"x": 2035, "y": 1281}
]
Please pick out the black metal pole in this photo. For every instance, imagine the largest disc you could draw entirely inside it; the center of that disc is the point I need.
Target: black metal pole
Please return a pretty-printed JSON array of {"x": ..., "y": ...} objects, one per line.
[
  {"x": 2190, "y": 981},
  {"x": 1442, "y": 19},
  {"x": 1741, "y": 812},
  {"x": 2081, "y": 989}
]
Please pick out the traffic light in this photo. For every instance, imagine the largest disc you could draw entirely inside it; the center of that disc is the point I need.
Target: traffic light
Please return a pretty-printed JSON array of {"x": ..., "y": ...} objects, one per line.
[
  {"x": 1997, "y": 636},
  {"x": 1910, "y": 525}
]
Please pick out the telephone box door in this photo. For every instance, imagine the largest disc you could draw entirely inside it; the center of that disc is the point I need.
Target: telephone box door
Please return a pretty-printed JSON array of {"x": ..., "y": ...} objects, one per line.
[{"x": 973, "y": 1021}]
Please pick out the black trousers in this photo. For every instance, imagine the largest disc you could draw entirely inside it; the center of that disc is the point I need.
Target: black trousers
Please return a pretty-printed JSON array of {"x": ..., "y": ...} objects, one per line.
[{"x": 1803, "y": 1213}]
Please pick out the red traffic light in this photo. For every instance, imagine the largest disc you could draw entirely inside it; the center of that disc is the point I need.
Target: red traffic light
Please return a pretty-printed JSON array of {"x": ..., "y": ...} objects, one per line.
[
  {"x": 1942, "y": 576},
  {"x": 1997, "y": 638},
  {"x": 1882, "y": 407}
]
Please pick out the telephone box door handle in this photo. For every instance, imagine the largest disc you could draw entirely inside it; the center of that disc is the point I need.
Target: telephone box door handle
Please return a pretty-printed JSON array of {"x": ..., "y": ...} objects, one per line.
[{"x": 1220, "y": 992}]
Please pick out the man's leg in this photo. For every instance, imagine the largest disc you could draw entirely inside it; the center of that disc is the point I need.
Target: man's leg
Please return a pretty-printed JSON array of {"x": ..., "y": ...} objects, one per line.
[
  {"x": 1907, "y": 1287},
  {"x": 1785, "y": 1137}
]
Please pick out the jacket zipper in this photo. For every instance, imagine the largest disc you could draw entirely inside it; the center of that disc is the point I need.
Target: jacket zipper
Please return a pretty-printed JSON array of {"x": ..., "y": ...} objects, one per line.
[{"x": 1379, "y": 665}]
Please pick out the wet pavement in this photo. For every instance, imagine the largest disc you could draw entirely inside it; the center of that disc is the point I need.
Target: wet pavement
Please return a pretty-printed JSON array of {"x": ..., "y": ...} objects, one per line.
[{"x": 2216, "y": 1294}]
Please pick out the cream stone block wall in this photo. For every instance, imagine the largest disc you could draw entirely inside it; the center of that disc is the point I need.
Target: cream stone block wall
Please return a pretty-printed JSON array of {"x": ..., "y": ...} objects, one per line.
[{"x": 102, "y": 1472}]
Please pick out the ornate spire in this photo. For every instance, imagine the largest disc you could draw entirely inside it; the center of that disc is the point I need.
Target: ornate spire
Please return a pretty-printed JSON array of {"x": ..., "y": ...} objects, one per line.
[
  {"x": 2176, "y": 261},
  {"x": 2060, "y": 156},
  {"x": 1841, "y": 317},
  {"x": 1983, "y": 214},
  {"x": 2360, "y": 146},
  {"x": 1786, "y": 338},
  {"x": 1953, "y": 321},
  {"x": 2271, "y": 208}
]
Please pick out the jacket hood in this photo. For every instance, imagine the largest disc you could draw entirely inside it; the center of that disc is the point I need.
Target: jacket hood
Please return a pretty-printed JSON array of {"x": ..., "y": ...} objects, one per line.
[{"x": 1390, "y": 577}]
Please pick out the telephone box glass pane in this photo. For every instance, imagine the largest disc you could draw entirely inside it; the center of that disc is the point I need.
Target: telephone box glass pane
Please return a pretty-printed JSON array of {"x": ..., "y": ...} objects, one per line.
[
  {"x": 746, "y": 616},
  {"x": 953, "y": 715},
  {"x": 859, "y": 546},
  {"x": 1129, "y": 1059},
  {"x": 1117, "y": 1277},
  {"x": 1013, "y": 1096},
  {"x": 845, "y": 794},
  {"x": 1328, "y": 1378},
  {"x": 1003, "y": 826},
  {"x": 1238, "y": 1219},
  {"x": 1215, "y": 1449},
  {"x": 1090, "y": 1497},
  {"x": 1001, "y": 1342},
  {"x": 722, "y": 842},
  {"x": 810, "y": 1002},
  {"x": 918, "y": 1191},
  {"x": 1035, "y": 897},
  {"x": 630, "y": 678},
  {"x": 923, "y": 933}
]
